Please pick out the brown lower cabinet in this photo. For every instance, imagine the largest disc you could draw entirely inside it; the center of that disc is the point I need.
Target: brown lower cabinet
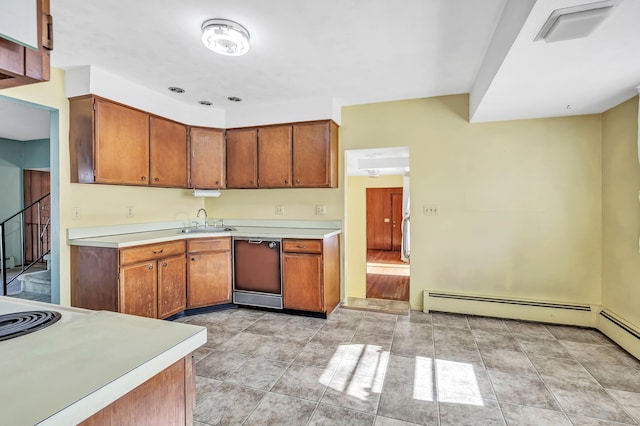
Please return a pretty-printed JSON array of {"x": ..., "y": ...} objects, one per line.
[
  {"x": 209, "y": 271},
  {"x": 168, "y": 398},
  {"x": 148, "y": 280},
  {"x": 311, "y": 274}
]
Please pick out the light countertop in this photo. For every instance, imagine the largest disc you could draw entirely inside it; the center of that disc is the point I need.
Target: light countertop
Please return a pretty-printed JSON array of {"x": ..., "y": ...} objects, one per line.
[
  {"x": 121, "y": 240},
  {"x": 66, "y": 372}
]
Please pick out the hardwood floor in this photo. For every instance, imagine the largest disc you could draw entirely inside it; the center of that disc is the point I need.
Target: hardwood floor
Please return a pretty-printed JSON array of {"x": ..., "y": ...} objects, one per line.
[{"x": 387, "y": 275}]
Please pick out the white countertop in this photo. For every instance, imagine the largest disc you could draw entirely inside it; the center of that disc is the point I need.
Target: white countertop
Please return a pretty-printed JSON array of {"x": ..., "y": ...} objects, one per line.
[
  {"x": 66, "y": 372},
  {"x": 121, "y": 240}
]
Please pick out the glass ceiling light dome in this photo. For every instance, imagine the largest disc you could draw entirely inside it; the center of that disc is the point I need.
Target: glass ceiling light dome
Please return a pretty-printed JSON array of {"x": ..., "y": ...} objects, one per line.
[{"x": 225, "y": 37}]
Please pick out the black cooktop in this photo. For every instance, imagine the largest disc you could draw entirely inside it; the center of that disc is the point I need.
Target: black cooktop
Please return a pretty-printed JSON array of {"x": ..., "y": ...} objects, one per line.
[{"x": 20, "y": 323}]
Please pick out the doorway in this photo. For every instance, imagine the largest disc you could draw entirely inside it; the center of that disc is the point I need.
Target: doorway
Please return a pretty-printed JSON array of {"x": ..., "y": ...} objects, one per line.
[
  {"x": 364, "y": 169},
  {"x": 387, "y": 274}
]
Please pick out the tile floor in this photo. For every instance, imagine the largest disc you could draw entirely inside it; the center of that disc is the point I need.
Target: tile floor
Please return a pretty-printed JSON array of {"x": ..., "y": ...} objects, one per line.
[{"x": 366, "y": 368}]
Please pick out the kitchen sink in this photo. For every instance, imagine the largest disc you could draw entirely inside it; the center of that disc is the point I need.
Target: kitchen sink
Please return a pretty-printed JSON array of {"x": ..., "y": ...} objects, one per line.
[{"x": 207, "y": 230}]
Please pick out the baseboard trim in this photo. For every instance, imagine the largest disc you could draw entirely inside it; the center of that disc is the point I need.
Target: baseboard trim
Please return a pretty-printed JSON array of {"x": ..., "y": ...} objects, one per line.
[{"x": 524, "y": 309}]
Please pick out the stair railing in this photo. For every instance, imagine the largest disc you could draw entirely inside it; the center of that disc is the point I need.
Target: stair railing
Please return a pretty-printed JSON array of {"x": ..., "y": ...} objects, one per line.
[{"x": 40, "y": 204}]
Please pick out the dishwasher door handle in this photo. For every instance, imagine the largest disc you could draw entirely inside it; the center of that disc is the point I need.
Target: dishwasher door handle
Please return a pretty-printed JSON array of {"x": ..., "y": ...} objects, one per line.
[{"x": 255, "y": 242}]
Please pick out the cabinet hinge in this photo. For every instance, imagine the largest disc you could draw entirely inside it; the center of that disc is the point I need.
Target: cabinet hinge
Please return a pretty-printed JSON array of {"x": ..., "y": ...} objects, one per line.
[{"x": 94, "y": 104}]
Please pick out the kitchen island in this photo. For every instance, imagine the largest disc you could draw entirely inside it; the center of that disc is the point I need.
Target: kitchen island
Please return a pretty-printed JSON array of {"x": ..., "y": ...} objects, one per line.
[{"x": 102, "y": 366}]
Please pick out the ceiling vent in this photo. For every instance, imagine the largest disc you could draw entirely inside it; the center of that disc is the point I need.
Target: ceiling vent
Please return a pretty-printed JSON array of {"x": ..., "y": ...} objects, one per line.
[{"x": 574, "y": 22}]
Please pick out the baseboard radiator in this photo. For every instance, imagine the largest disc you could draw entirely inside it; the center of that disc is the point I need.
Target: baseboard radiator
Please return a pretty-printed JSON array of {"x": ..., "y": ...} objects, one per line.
[
  {"x": 620, "y": 331},
  {"x": 531, "y": 310}
]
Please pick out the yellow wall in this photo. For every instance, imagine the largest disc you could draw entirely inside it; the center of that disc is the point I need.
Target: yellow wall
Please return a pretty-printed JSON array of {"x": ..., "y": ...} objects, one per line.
[
  {"x": 299, "y": 204},
  {"x": 621, "y": 212},
  {"x": 519, "y": 201},
  {"x": 356, "y": 222},
  {"x": 100, "y": 205}
]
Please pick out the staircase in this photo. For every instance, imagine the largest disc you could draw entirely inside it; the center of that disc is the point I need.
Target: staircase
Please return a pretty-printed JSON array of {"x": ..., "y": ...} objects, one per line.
[{"x": 30, "y": 230}]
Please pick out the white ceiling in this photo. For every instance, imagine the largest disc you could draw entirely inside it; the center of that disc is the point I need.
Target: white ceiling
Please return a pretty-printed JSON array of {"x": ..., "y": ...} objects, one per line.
[
  {"x": 357, "y": 52},
  {"x": 22, "y": 122}
]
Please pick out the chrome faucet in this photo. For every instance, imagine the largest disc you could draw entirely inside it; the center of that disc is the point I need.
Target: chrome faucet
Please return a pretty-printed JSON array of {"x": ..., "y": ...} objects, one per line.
[{"x": 206, "y": 217}]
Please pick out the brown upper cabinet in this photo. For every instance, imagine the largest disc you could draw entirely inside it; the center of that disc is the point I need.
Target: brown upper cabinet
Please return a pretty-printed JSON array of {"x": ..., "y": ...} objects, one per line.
[
  {"x": 315, "y": 155},
  {"x": 108, "y": 142},
  {"x": 21, "y": 65},
  {"x": 207, "y": 158},
  {"x": 274, "y": 156},
  {"x": 168, "y": 153},
  {"x": 115, "y": 144},
  {"x": 242, "y": 158}
]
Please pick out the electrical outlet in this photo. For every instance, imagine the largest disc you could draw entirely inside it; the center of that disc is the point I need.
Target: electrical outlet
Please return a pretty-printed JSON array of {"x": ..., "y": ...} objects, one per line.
[
  {"x": 279, "y": 210},
  {"x": 430, "y": 210},
  {"x": 129, "y": 211},
  {"x": 75, "y": 213},
  {"x": 321, "y": 210}
]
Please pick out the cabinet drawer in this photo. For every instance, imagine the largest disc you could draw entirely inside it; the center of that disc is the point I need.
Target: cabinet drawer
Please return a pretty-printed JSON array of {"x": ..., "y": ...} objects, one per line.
[
  {"x": 208, "y": 244},
  {"x": 151, "y": 251},
  {"x": 302, "y": 246}
]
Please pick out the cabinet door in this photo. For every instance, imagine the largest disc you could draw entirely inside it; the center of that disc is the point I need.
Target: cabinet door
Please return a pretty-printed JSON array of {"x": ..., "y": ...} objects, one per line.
[
  {"x": 242, "y": 158},
  {"x": 138, "y": 285},
  {"x": 207, "y": 158},
  {"x": 302, "y": 282},
  {"x": 315, "y": 155},
  {"x": 121, "y": 144},
  {"x": 168, "y": 153},
  {"x": 274, "y": 157},
  {"x": 209, "y": 279},
  {"x": 172, "y": 285}
]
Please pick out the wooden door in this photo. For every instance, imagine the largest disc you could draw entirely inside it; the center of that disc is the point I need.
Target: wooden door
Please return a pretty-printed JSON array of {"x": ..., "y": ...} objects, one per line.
[
  {"x": 207, "y": 158},
  {"x": 138, "y": 289},
  {"x": 380, "y": 218},
  {"x": 242, "y": 158},
  {"x": 274, "y": 156},
  {"x": 172, "y": 285},
  {"x": 121, "y": 144},
  {"x": 209, "y": 278},
  {"x": 36, "y": 185},
  {"x": 302, "y": 282},
  {"x": 396, "y": 221},
  {"x": 168, "y": 153}
]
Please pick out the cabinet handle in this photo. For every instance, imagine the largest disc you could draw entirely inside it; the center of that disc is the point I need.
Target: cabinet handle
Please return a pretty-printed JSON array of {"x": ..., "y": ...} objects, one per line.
[
  {"x": 193, "y": 259},
  {"x": 158, "y": 251},
  {"x": 150, "y": 267},
  {"x": 217, "y": 182},
  {"x": 297, "y": 180},
  {"x": 164, "y": 264},
  {"x": 286, "y": 181},
  {"x": 251, "y": 182},
  {"x": 286, "y": 259},
  {"x": 301, "y": 246},
  {"x": 157, "y": 179},
  {"x": 143, "y": 178}
]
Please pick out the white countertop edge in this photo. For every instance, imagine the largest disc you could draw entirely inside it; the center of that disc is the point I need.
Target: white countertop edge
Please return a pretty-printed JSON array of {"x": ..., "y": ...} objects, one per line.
[
  {"x": 112, "y": 391},
  {"x": 292, "y": 233},
  {"x": 101, "y": 231}
]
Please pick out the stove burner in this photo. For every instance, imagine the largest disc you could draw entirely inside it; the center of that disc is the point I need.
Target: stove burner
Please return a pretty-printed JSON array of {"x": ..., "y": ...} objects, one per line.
[{"x": 21, "y": 323}]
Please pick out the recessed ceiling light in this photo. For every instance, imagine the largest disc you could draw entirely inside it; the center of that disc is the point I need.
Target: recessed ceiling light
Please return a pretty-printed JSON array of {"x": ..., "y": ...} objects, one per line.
[
  {"x": 225, "y": 37},
  {"x": 176, "y": 89},
  {"x": 205, "y": 103},
  {"x": 234, "y": 99}
]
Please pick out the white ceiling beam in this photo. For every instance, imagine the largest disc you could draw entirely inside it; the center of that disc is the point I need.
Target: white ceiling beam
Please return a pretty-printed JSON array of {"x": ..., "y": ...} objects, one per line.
[{"x": 513, "y": 17}]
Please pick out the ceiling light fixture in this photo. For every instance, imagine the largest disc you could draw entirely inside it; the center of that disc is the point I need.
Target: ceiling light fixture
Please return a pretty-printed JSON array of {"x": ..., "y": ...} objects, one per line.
[
  {"x": 225, "y": 37},
  {"x": 234, "y": 99},
  {"x": 205, "y": 103},
  {"x": 574, "y": 22},
  {"x": 176, "y": 89}
]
